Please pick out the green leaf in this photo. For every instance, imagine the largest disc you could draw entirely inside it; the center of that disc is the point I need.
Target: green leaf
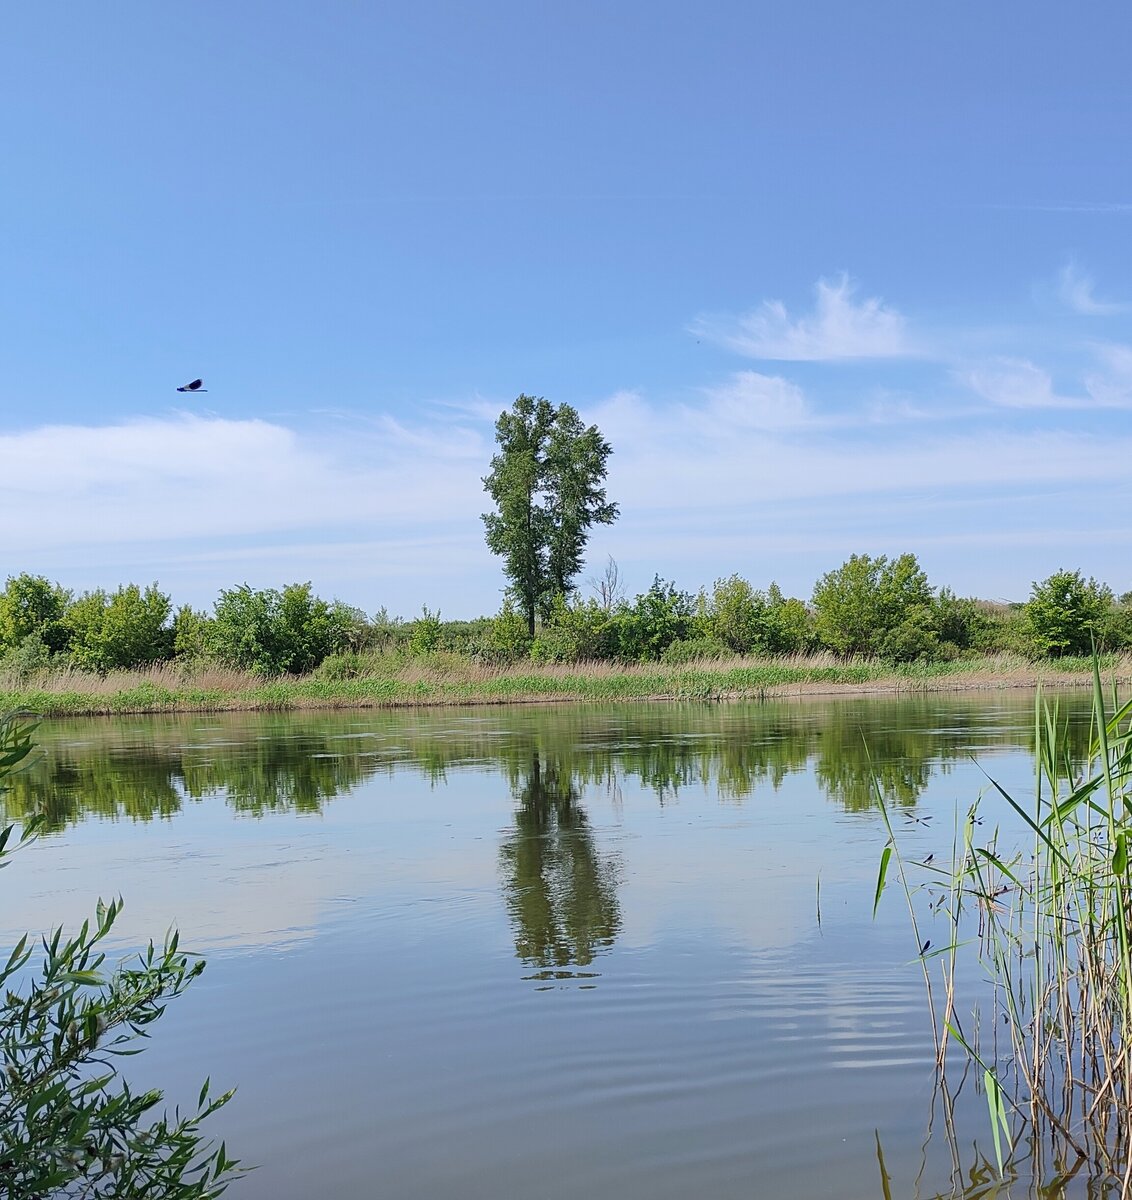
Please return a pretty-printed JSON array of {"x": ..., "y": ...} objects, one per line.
[
  {"x": 83, "y": 977},
  {"x": 1000, "y": 1125},
  {"x": 995, "y": 861},
  {"x": 886, "y": 854}
]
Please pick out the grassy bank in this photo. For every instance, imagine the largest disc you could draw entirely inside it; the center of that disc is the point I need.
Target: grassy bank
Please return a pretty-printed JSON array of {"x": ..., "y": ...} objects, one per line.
[{"x": 450, "y": 679}]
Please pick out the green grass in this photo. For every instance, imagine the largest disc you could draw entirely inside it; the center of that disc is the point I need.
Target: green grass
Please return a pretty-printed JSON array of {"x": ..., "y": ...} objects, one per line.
[
  {"x": 450, "y": 679},
  {"x": 1046, "y": 925}
]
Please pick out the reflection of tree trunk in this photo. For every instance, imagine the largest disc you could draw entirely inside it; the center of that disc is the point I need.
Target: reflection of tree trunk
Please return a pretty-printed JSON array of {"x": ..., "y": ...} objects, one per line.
[{"x": 560, "y": 894}]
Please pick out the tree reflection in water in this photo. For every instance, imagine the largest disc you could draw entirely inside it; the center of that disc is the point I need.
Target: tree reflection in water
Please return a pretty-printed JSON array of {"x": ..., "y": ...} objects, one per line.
[
  {"x": 150, "y": 768},
  {"x": 561, "y": 893}
]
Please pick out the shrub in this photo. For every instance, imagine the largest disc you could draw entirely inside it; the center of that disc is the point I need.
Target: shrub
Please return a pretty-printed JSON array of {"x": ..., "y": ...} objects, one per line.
[
  {"x": 735, "y": 615},
  {"x": 71, "y": 1125},
  {"x": 192, "y": 634},
  {"x": 789, "y": 624},
  {"x": 115, "y": 632},
  {"x": 961, "y": 623},
  {"x": 866, "y": 599},
  {"x": 24, "y": 660},
  {"x": 575, "y": 631},
  {"x": 32, "y": 606},
  {"x": 1066, "y": 614},
  {"x": 506, "y": 639},
  {"x": 653, "y": 621},
  {"x": 914, "y": 639},
  {"x": 694, "y": 649},
  {"x": 427, "y": 629},
  {"x": 275, "y": 633}
]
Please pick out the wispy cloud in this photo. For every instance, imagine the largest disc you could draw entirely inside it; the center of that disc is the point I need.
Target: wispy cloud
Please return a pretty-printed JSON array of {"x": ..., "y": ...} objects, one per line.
[
  {"x": 839, "y": 329},
  {"x": 1017, "y": 383},
  {"x": 1076, "y": 290},
  {"x": 193, "y": 477},
  {"x": 1112, "y": 386},
  {"x": 389, "y": 514},
  {"x": 381, "y": 508},
  {"x": 749, "y": 400},
  {"x": 1021, "y": 384}
]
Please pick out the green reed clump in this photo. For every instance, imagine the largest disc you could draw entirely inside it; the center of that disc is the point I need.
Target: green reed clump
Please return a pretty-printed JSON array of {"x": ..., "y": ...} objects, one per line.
[{"x": 1048, "y": 925}]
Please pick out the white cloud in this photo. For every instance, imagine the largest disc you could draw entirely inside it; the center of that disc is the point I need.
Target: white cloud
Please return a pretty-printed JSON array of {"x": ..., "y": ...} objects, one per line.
[
  {"x": 384, "y": 510},
  {"x": 1021, "y": 384},
  {"x": 1017, "y": 383},
  {"x": 837, "y": 330},
  {"x": 753, "y": 401},
  {"x": 191, "y": 476},
  {"x": 1112, "y": 387},
  {"x": 1076, "y": 290}
]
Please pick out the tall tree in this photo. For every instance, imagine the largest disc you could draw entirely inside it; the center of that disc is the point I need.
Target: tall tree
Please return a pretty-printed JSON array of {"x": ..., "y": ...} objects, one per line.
[{"x": 547, "y": 484}]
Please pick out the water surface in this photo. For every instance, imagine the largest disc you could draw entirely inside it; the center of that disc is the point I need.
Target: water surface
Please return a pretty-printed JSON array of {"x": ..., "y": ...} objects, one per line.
[{"x": 541, "y": 951}]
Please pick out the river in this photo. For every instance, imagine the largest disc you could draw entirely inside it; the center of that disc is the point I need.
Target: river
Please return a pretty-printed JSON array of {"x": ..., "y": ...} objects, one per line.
[{"x": 541, "y": 951}]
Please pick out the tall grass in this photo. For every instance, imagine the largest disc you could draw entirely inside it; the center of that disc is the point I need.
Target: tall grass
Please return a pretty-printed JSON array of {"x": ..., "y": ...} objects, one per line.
[
  {"x": 444, "y": 677},
  {"x": 1048, "y": 928}
]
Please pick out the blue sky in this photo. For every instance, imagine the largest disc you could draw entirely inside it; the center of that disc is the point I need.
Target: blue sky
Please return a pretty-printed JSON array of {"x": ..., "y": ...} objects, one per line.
[{"x": 831, "y": 278}]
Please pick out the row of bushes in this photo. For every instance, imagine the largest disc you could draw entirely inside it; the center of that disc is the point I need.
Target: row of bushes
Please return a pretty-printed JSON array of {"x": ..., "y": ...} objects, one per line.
[
  {"x": 868, "y": 607},
  {"x": 871, "y": 607}
]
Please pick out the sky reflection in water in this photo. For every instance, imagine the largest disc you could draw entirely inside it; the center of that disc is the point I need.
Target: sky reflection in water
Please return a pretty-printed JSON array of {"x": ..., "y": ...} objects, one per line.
[{"x": 530, "y": 951}]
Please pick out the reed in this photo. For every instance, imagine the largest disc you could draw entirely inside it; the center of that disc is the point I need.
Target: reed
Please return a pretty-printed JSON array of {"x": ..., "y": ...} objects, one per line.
[
  {"x": 1041, "y": 936},
  {"x": 442, "y": 677}
]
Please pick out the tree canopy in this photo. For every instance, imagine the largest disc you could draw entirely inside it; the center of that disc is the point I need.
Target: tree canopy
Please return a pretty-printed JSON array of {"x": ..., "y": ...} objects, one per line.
[
  {"x": 547, "y": 483},
  {"x": 866, "y": 598}
]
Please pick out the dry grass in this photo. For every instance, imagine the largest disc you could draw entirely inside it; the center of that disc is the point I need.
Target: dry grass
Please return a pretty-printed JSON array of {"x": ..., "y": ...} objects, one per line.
[
  {"x": 388, "y": 681},
  {"x": 161, "y": 676}
]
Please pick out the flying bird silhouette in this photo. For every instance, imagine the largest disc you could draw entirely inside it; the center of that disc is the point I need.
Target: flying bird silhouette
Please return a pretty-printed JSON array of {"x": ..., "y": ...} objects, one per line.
[{"x": 195, "y": 386}]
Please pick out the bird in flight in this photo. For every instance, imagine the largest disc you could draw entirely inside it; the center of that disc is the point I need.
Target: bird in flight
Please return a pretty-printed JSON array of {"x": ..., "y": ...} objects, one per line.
[{"x": 195, "y": 386}]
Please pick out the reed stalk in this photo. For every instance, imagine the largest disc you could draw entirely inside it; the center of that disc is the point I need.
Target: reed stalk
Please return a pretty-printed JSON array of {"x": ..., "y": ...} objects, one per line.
[{"x": 1041, "y": 931}]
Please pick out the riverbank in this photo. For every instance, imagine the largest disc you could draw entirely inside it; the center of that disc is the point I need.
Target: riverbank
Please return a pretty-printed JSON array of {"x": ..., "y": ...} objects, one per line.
[{"x": 451, "y": 680}]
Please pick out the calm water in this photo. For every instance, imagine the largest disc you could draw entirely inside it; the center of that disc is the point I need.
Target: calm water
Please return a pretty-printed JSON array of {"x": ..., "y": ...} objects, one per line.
[{"x": 537, "y": 952}]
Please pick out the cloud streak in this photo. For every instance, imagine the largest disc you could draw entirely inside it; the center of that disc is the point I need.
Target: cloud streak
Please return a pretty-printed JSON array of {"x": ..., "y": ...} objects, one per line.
[
  {"x": 838, "y": 330},
  {"x": 1076, "y": 291}
]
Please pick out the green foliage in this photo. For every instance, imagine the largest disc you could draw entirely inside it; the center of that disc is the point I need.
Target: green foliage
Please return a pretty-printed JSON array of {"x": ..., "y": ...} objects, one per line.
[
  {"x": 275, "y": 633},
  {"x": 915, "y": 639},
  {"x": 655, "y": 619},
  {"x": 747, "y": 621},
  {"x": 789, "y": 624},
  {"x": 694, "y": 649},
  {"x": 27, "y": 659},
  {"x": 1044, "y": 914},
  {"x": 309, "y": 628},
  {"x": 735, "y": 615},
  {"x": 576, "y": 631},
  {"x": 546, "y": 484},
  {"x": 962, "y": 623},
  {"x": 355, "y": 633},
  {"x": 867, "y": 599},
  {"x": 387, "y": 632},
  {"x": 127, "y": 629},
  {"x": 33, "y": 607},
  {"x": 71, "y": 1125},
  {"x": 1116, "y": 632},
  {"x": 506, "y": 638},
  {"x": 1066, "y": 613},
  {"x": 192, "y": 634},
  {"x": 427, "y": 630}
]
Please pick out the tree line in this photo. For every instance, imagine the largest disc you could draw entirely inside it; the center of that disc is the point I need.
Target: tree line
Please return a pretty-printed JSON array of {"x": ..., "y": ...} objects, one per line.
[
  {"x": 547, "y": 485},
  {"x": 872, "y": 607}
]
